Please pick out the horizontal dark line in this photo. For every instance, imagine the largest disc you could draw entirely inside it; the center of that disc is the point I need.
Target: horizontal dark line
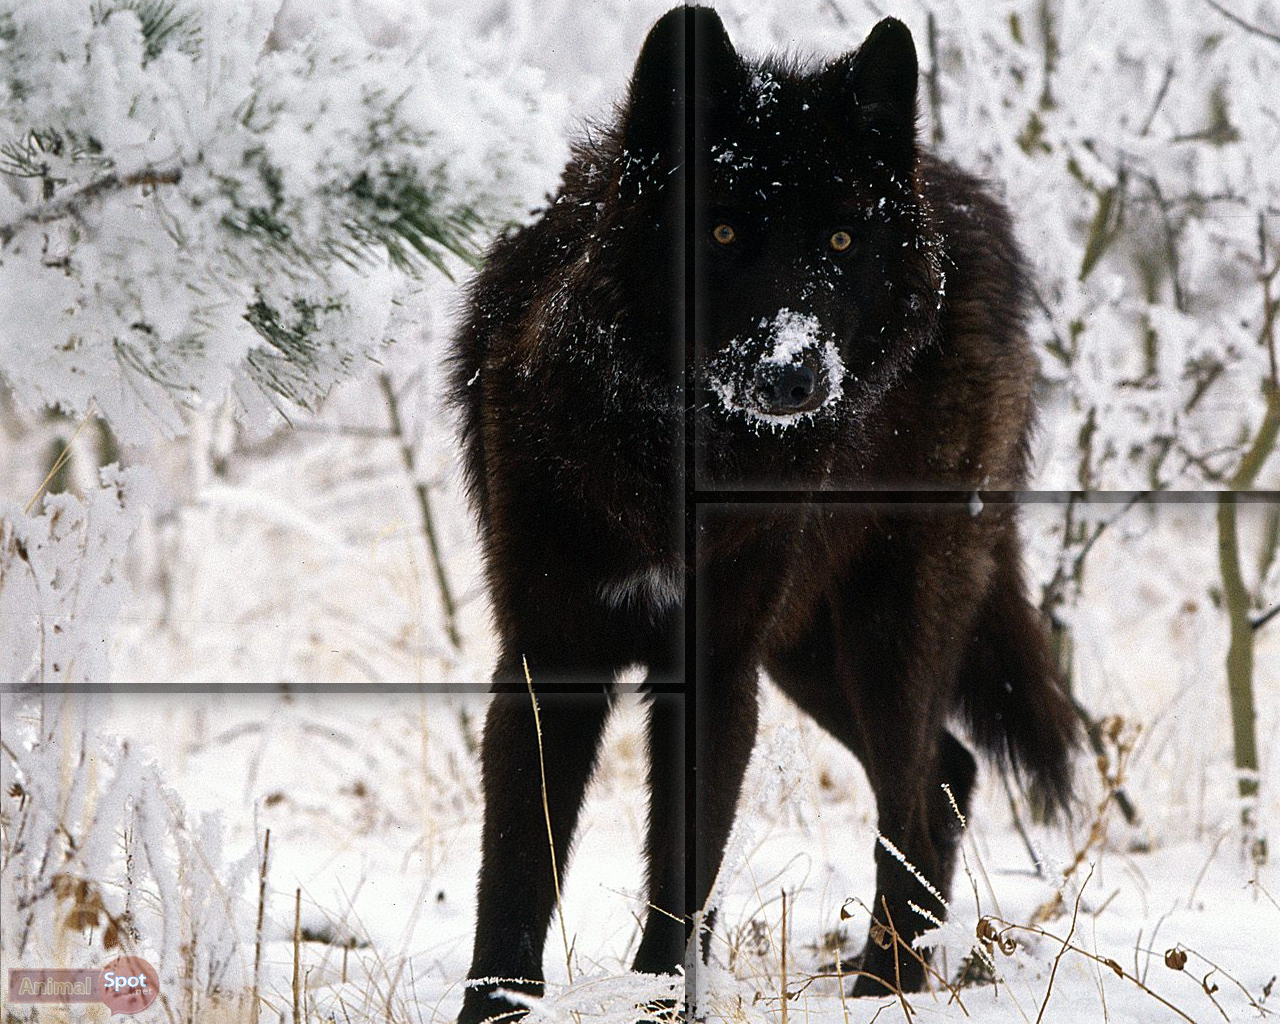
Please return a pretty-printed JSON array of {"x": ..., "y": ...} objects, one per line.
[
  {"x": 953, "y": 497},
  {"x": 35, "y": 689}
]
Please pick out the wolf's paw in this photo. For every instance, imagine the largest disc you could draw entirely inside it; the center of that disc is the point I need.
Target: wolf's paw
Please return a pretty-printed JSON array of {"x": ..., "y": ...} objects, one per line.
[{"x": 483, "y": 1005}]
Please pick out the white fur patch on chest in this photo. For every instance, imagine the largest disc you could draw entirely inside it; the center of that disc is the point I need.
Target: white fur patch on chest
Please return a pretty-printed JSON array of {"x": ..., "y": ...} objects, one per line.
[{"x": 654, "y": 589}]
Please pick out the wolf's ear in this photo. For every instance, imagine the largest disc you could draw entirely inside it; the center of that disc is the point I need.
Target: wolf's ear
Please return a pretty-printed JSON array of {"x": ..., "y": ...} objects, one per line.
[
  {"x": 656, "y": 107},
  {"x": 876, "y": 86}
]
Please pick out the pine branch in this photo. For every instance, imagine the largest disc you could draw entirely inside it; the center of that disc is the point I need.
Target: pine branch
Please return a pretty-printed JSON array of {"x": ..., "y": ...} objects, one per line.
[
  {"x": 290, "y": 360},
  {"x": 73, "y": 203},
  {"x": 389, "y": 210},
  {"x": 249, "y": 272},
  {"x": 395, "y": 211},
  {"x": 1261, "y": 620}
]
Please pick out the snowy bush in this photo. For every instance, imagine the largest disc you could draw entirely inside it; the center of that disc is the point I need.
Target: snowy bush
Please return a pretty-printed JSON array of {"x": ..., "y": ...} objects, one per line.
[
  {"x": 1138, "y": 144},
  {"x": 63, "y": 581},
  {"x": 94, "y": 849},
  {"x": 197, "y": 202},
  {"x": 189, "y": 206}
]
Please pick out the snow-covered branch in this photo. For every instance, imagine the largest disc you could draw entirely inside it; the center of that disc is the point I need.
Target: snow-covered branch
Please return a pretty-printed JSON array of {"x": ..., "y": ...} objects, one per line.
[{"x": 190, "y": 207}]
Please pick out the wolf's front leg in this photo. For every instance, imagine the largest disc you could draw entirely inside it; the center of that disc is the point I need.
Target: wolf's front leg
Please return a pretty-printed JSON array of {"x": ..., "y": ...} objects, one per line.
[
  {"x": 662, "y": 946},
  {"x": 517, "y": 888}
]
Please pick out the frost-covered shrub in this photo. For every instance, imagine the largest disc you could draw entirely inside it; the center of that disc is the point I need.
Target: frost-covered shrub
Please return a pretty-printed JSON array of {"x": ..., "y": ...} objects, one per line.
[
  {"x": 188, "y": 205},
  {"x": 97, "y": 856},
  {"x": 1138, "y": 150},
  {"x": 62, "y": 584}
]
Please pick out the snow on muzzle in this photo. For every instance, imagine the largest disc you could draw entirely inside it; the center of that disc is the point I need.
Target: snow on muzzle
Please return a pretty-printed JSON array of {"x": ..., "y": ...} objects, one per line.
[{"x": 782, "y": 374}]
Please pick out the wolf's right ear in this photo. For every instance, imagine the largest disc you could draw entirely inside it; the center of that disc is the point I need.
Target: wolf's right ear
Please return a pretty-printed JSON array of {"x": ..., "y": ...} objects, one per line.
[{"x": 657, "y": 107}]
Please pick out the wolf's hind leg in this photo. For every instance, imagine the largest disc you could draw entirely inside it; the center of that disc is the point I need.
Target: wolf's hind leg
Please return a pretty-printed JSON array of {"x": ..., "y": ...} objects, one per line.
[{"x": 896, "y": 732}]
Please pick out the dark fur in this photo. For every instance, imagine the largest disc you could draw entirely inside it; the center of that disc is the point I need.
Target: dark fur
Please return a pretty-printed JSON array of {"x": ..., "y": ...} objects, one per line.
[{"x": 880, "y": 620}]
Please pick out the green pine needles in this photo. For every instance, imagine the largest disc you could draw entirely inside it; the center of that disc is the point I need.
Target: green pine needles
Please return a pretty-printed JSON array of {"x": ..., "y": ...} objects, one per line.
[
  {"x": 191, "y": 201},
  {"x": 391, "y": 211},
  {"x": 397, "y": 211},
  {"x": 164, "y": 25},
  {"x": 290, "y": 359}
]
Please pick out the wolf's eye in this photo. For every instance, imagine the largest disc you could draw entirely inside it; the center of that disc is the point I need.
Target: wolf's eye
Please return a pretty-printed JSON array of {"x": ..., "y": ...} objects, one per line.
[
  {"x": 841, "y": 240},
  {"x": 724, "y": 234}
]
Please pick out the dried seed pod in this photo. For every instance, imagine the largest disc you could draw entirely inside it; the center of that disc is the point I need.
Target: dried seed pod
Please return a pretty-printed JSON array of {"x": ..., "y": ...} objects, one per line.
[
  {"x": 989, "y": 935},
  {"x": 986, "y": 931},
  {"x": 1175, "y": 959}
]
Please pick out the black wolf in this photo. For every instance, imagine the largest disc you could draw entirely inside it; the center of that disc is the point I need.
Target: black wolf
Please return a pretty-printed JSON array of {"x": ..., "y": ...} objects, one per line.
[{"x": 851, "y": 310}]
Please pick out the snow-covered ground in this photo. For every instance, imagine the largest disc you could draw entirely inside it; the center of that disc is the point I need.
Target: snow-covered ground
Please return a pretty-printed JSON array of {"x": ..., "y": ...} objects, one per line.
[{"x": 374, "y": 811}]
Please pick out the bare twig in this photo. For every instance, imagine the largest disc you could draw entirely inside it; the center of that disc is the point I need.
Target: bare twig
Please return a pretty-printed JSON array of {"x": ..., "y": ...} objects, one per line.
[
  {"x": 1159, "y": 100},
  {"x": 1170, "y": 243},
  {"x": 1270, "y": 304},
  {"x": 73, "y": 202},
  {"x": 1261, "y": 620},
  {"x": 836, "y": 13},
  {"x": 1248, "y": 27},
  {"x": 897, "y": 962},
  {"x": 1262, "y": 1011},
  {"x": 1020, "y": 828},
  {"x": 1006, "y": 943},
  {"x": 424, "y": 511},
  {"x": 297, "y": 956},
  {"x": 1049, "y": 38},
  {"x": 931, "y": 78},
  {"x": 1112, "y": 764},
  {"x": 844, "y": 1005},
  {"x": 257, "y": 944},
  {"x": 1053, "y": 973},
  {"x": 891, "y": 936},
  {"x": 60, "y": 461},
  {"x": 785, "y": 1014},
  {"x": 546, "y": 813}
]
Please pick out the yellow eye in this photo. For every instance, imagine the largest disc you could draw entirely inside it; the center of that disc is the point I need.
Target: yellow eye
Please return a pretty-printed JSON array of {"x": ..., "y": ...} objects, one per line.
[
  {"x": 724, "y": 234},
  {"x": 841, "y": 240}
]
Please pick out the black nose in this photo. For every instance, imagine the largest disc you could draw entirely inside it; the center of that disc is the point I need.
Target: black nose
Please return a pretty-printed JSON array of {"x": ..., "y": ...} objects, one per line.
[{"x": 785, "y": 387}]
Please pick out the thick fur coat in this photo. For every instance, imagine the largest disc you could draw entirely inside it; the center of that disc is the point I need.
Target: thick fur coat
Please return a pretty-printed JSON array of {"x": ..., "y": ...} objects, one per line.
[{"x": 845, "y": 311}]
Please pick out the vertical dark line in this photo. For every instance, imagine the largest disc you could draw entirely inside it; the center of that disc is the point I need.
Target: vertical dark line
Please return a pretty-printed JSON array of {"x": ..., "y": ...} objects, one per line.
[{"x": 690, "y": 510}]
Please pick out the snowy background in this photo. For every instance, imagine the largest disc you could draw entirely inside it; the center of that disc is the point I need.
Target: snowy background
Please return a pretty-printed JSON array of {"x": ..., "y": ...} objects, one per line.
[{"x": 266, "y": 529}]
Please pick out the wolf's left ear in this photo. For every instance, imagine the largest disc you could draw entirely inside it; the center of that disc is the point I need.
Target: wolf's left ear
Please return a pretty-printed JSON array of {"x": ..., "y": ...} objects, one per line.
[{"x": 876, "y": 86}]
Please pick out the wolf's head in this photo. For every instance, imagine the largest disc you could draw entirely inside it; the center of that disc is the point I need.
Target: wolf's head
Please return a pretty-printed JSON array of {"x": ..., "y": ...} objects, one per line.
[{"x": 807, "y": 250}]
